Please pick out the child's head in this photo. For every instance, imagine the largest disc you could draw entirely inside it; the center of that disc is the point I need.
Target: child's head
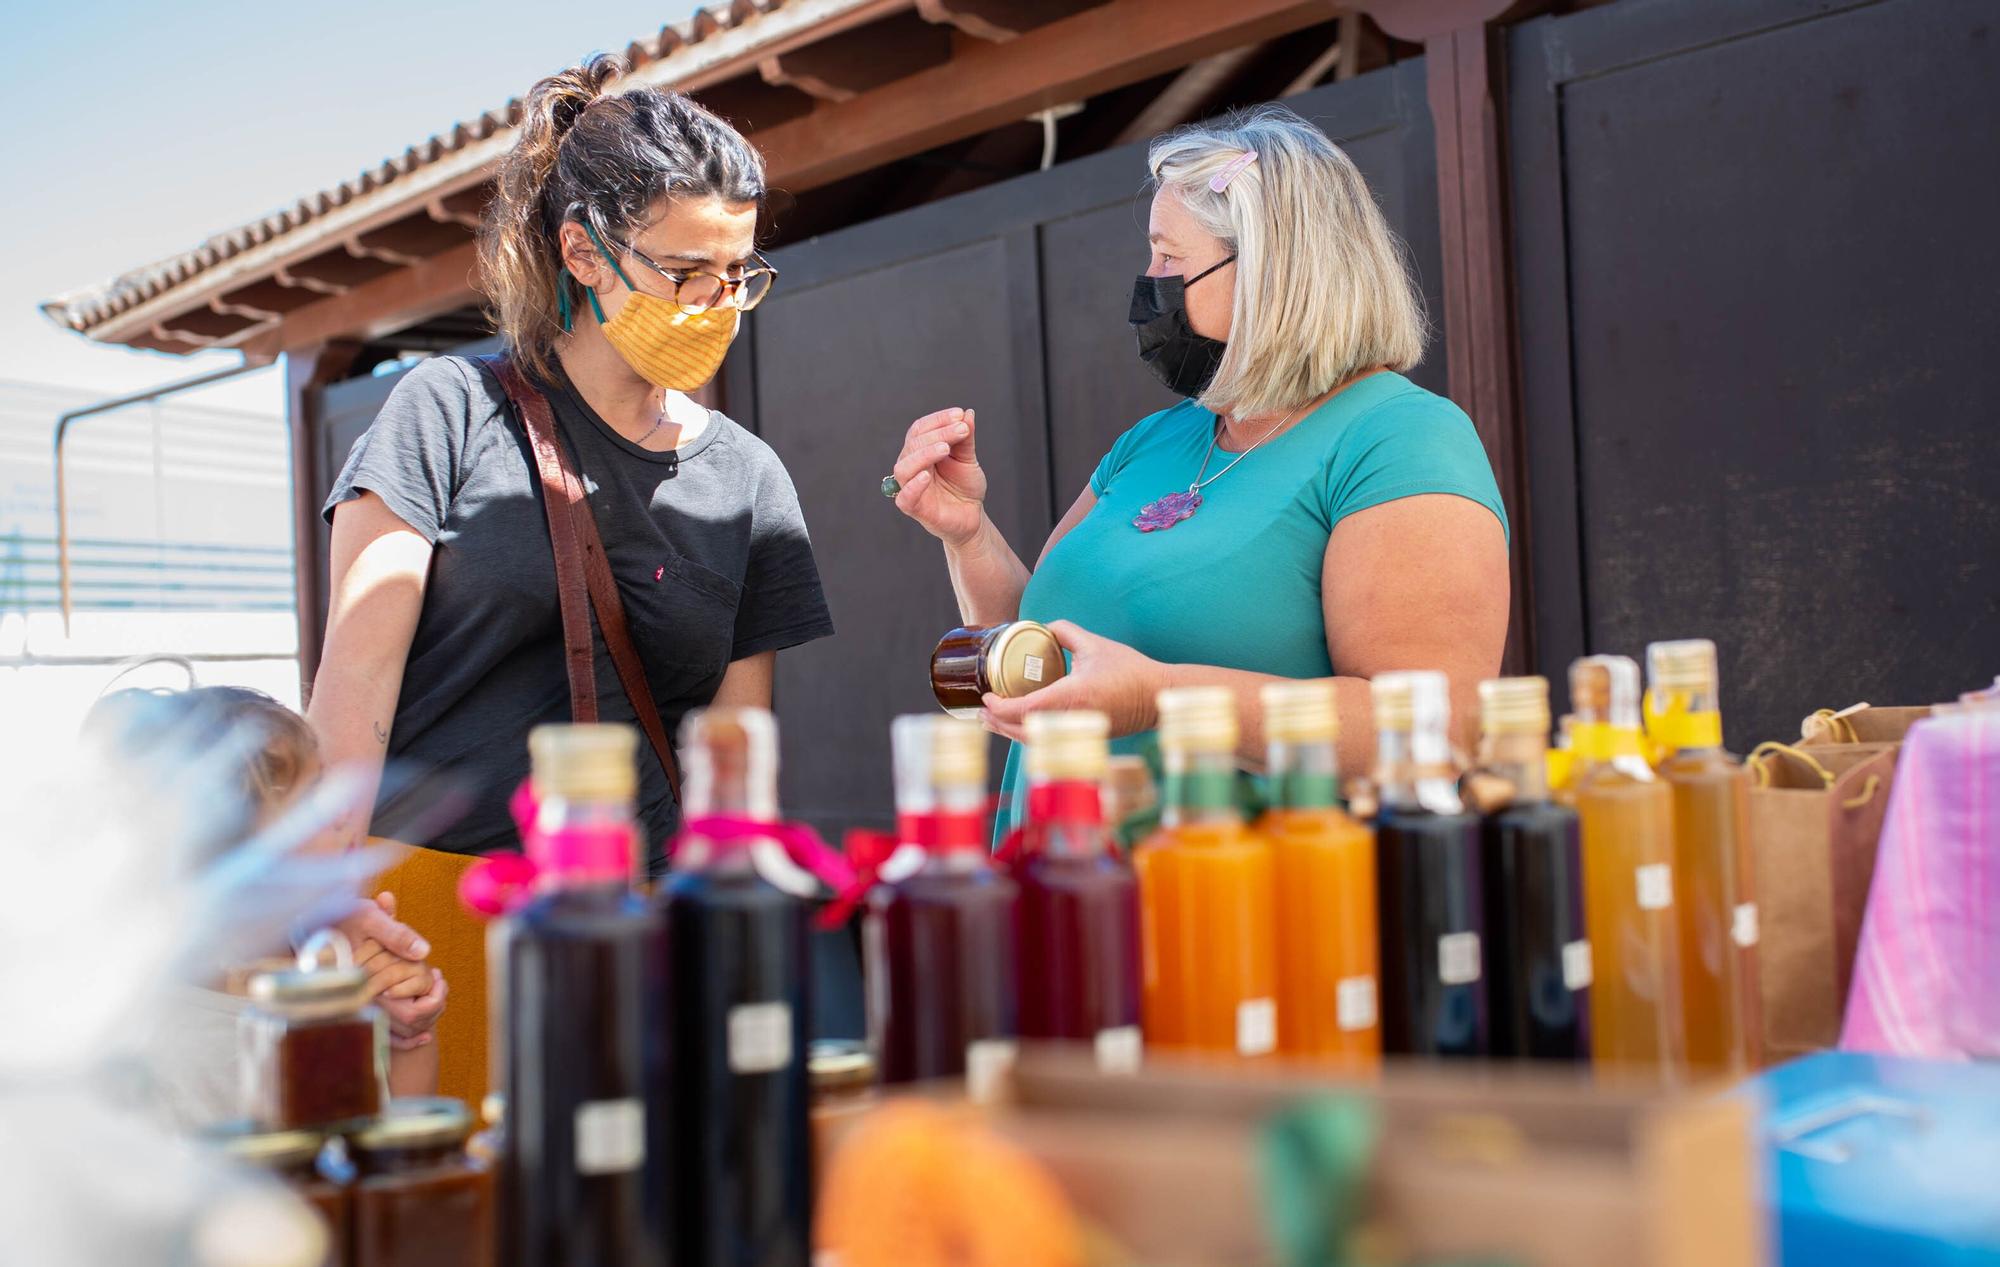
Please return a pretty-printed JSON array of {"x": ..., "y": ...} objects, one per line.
[{"x": 158, "y": 736}]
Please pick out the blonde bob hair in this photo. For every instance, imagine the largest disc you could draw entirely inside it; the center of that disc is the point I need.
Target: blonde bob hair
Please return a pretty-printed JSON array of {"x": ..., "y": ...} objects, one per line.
[{"x": 1323, "y": 287}]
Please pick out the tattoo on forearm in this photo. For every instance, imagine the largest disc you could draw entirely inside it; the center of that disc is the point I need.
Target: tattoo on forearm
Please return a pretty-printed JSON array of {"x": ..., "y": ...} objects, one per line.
[{"x": 381, "y": 734}]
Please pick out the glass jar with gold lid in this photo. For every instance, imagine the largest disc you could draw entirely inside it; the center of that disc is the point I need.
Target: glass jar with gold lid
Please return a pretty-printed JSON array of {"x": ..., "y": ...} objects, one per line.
[
  {"x": 1008, "y": 660},
  {"x": 314, "y": 1048}
]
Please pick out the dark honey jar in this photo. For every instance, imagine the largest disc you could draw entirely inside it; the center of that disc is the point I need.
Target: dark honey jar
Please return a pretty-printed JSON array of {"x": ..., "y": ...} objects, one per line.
[
  {"x": 295, "y": 1158},
  {"x": 1009, "y": 660},
  {"x": 420, "y": 1200},
  {"x": 315, "y": 1050},
  {"x": 843, "y": 1091}
]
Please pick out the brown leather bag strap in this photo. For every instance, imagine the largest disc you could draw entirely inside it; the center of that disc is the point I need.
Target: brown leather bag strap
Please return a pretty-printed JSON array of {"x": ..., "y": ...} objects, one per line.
[{"x": 583, "y": 575}]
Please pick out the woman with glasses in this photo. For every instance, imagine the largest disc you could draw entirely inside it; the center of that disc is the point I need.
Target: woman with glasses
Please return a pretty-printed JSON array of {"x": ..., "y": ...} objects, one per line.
[
  {"x": 618, "y": 256},
  {"x": 1305, "y": 512}
]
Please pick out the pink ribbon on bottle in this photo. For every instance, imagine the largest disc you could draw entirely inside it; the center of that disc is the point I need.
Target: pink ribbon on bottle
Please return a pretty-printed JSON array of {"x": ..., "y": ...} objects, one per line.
[{"x": 803, "y": 845}]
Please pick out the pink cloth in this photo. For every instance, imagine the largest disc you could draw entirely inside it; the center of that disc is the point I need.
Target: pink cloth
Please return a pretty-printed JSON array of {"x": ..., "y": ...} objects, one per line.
[{"x": 1927, "y": 973}]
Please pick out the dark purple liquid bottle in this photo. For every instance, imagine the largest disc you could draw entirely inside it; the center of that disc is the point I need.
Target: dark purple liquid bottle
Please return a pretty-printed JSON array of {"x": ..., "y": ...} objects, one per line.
[
  {"x": 940, "y": 949},
  {"x": 1079, "y": 905},
  {"x": 738, "y": 1173},
  {"x": 938, "y": 934},
  {"x": 582, "y": 1023}
]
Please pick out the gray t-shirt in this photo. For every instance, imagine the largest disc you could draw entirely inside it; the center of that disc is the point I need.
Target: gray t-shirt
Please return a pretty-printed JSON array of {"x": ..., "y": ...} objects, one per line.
[{"x": 708, "y": 546}]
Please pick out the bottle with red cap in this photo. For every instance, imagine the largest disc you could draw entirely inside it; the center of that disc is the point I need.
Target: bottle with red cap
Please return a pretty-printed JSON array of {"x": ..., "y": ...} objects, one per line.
[
  {"x": 938, "y": 932},
  {"x": 1079, "y": 922}
]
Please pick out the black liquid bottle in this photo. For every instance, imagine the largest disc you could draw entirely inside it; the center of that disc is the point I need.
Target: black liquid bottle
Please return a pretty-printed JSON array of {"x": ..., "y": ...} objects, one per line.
[
  {"x": 582, "y": 1027},
  {"x": 1538, "y": 983},
  {"x": 1431, "y": 912},
  {"x": 738, "y": 1181}
]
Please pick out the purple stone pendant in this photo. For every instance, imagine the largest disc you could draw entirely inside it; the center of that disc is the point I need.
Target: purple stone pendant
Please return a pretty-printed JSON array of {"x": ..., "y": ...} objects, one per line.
[{"x": 1167, "y": 511}]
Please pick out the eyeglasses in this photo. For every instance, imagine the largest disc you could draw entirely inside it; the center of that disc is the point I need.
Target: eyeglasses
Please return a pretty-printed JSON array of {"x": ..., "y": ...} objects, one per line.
[{"x": 697, "y": 290}]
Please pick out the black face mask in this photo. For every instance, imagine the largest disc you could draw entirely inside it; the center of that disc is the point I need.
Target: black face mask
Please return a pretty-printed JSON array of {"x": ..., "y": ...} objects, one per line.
[{"x": 1185, "y": 361}]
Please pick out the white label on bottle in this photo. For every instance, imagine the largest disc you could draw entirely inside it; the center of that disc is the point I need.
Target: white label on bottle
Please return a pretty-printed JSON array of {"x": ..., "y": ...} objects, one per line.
[
  {"x": 1354, "y": 1002},
  {"x": 1256, "y": 1027},
  {"x": 1743, "y": 927},
  {"x": 760, "y": 1037},
  {"x": 610, "y": 1137},
  {"x": 1458, "y": 958},
  {"x": 1576, "y": 966},
  {"x": 1031, "y": 668},
  {"x": 1119, "y": 1050},
  {"x": 1656, "y": 887},
  {"x": 987, "y": 1061}
]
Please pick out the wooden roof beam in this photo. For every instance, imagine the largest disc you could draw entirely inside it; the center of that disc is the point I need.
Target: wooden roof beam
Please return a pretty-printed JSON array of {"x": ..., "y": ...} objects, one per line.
[
  {"x": 411, "y": 239},
  {"x": 845, "y": 65},
  {"x": 1188, "y": 95},
  {"x": 988, "y": 85},
  {"x": 462, "y": 208},
  {"x": 998, "y": 20},
  {"x": 378, "y": 307},
  {"x": 752, "y": 105},
  {"x": 264, "y": 300},
  {"x": 206, "y": 327}
]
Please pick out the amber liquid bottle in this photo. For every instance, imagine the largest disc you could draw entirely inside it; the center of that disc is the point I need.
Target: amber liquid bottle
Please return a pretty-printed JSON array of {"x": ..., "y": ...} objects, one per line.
[
  {"x": 1714, "y": 884},
  {"x": 938, "y": 936},
  {"x": 1627, "y": 816},
  {"x": 1207, "y": 893},
  {"x": 1538, "y": 956},
  {"x": 738, "y": 1174},
  {"x": 1079, "y": 903},
  {"x": 584, "y": 1025},
  {"x": 1325, "y": 865},
  {"x": 1430, "y": 908}
]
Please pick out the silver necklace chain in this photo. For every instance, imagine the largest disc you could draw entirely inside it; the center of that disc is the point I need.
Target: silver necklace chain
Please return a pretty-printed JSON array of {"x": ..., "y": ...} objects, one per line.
[{"x": 1200, "y": 482}]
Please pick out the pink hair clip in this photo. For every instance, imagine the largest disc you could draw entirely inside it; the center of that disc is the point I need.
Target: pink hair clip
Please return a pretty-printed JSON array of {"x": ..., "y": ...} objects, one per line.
[{"x": 1220, "y": 181}]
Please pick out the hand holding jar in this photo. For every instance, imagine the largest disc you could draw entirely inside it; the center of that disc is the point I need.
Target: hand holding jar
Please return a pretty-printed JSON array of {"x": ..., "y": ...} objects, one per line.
[{"x": 1104, "y": 676}]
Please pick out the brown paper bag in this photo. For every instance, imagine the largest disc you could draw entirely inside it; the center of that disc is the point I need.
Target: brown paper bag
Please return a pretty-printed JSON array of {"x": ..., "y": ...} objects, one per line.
[
  {"x": 1815, "y": 819},
  {"x": 1859, "y": 724}
]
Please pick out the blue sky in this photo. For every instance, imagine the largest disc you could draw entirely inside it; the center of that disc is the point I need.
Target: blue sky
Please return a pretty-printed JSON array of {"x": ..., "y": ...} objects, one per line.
[{"x": 135, "y": 130}]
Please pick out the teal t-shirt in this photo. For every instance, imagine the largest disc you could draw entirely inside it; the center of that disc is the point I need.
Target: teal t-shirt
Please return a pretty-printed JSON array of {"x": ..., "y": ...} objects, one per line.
[{"x": 1238, "y": 585}]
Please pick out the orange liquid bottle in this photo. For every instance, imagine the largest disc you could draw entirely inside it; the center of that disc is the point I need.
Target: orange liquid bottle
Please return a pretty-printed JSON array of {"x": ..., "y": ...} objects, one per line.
[
  {"x": 1324, "y": 862},
  {"x": 1713, "y": 881},
  {"x": 1628, "y": 870},
  {"x": 1208, "y": 944}
]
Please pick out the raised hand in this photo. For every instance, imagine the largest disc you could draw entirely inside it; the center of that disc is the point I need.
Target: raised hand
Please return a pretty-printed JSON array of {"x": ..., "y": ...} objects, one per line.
[{"x": 943, "y": 487}]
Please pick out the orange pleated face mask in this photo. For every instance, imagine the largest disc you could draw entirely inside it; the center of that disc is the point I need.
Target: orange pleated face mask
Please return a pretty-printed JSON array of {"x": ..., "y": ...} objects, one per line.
[{"x": 664, "y": 345}]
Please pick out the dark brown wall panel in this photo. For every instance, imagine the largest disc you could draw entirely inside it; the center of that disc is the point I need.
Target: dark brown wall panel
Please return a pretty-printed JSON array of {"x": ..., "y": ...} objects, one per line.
[{"x": 1779, "y": 259}]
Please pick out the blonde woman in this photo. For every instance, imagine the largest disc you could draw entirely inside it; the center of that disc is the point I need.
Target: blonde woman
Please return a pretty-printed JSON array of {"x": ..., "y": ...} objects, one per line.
[{"x": 1306, "y": 512}]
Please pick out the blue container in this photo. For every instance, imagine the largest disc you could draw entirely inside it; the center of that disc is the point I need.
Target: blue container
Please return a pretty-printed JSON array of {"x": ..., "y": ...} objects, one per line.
[{"x": 1876, "y": 1160}]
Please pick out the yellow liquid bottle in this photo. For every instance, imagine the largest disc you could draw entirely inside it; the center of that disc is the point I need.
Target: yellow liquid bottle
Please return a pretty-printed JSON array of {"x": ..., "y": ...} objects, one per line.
[
  {"x": 1324, "y": 862},
  {"x": 1208, "y": 948},
  {"x": 1627, "y": 817},
  {"x": 1713, "y": 881}
]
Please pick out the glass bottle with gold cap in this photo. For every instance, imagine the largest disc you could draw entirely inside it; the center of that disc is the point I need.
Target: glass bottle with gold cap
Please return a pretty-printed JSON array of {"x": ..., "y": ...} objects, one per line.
[
  {"x": 1627, "y": 818},
  {"x": 1537, "y": 988},
  {"x": 1713, "y": 879},
  {"x": 585, "y": 1019},
  {"x": 939, "y": 936},
  {"x": 1325, "y": 867},
  {"x": 1430, "y": 909},
  {"x": 1079, "y": 902},
  {"x": 1207, "y": 892},
  {"x": 739, "y": 976}
]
